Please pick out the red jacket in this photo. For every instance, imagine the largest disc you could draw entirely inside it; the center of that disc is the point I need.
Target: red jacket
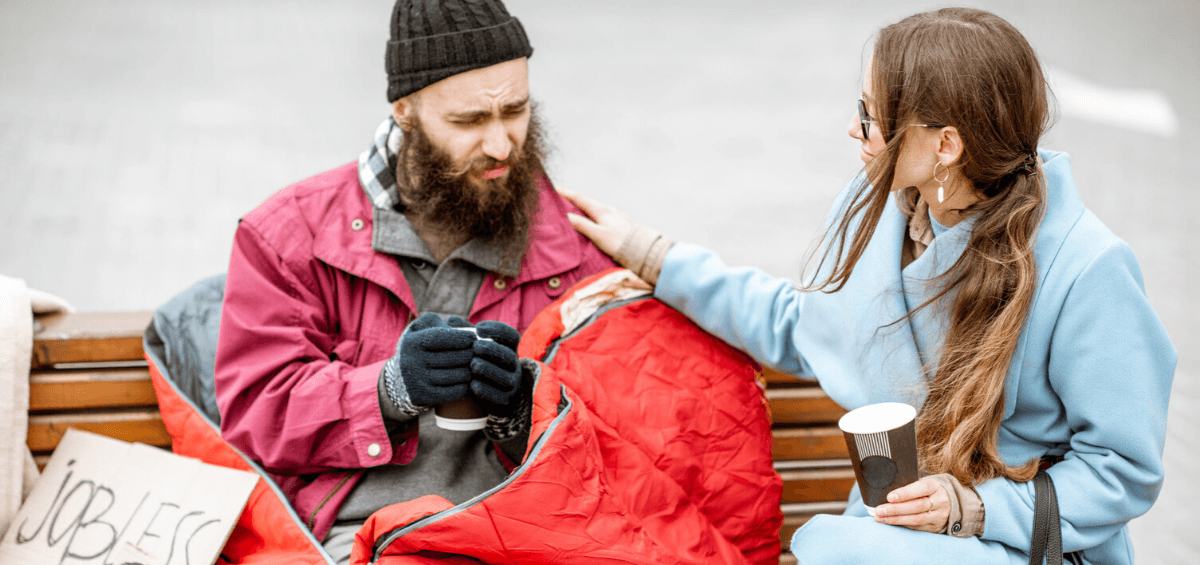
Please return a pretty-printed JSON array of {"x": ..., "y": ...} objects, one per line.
[
  {"x": 311, "y": 313},
  {"x": 650, "y": 444}
]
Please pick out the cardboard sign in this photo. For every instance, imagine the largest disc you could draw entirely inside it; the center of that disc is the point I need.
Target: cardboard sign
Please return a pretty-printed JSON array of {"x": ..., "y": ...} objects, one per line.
[{"x": 107, "y": 502}]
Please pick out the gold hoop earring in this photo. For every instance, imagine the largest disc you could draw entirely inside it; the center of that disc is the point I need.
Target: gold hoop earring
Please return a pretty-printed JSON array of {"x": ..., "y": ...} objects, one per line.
[{"x": 941, "y": 190}]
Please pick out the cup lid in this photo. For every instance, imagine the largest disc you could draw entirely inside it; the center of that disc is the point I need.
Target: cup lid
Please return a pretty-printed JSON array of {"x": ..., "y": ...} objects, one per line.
[
  {"x": 460, "y": 424},
  {"x": 875, "y": 418}
]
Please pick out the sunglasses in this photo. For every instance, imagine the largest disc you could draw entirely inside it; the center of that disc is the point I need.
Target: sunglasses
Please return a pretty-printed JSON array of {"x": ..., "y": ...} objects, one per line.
[{"x": 865, "y": 120}]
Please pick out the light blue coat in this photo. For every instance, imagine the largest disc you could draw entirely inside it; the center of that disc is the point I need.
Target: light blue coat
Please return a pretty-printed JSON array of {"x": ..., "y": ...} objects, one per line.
[{"x": 1090, "y": 380}]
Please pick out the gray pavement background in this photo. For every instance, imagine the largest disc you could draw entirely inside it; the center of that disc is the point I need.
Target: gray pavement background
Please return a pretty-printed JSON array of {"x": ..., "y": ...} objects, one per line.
[{"x": 134, "y": 133}]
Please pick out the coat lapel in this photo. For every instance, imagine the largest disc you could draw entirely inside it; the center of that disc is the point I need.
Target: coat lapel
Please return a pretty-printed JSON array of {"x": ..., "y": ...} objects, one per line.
[
  {"x": 1063, "y": 210},
  {"x": 920, "y": 282},
  {"x": 857, "y": 340},
  {"x": 342, "y": 240},
  {"x": 852, "y": 339},
  {"x": 895, "y": 346}
]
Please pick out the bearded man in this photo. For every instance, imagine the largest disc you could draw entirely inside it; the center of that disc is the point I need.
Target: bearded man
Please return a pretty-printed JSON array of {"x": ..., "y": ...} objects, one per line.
[{"x": 325, "y": 374}]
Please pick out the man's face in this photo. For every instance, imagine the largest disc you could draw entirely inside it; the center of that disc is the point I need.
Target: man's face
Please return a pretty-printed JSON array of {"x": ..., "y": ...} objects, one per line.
[
  {"x": 451, "y": 197},
  {"x": 473, "y": 170},
  {"x": 477, "y": 118}
]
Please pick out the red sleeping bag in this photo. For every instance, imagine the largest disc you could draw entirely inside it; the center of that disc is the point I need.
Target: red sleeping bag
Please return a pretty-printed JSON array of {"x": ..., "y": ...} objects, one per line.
[{"x": 650, "y": 444}]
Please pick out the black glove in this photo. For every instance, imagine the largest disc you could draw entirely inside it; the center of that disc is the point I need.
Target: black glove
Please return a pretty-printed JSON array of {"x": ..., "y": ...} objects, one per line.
[
  {"x": 495, "y": 370},
  {"x": 431, "y": 365}
]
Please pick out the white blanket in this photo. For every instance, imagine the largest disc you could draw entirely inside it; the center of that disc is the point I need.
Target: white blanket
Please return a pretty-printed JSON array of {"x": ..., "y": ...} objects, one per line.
[{"x": 17, "y": 469}]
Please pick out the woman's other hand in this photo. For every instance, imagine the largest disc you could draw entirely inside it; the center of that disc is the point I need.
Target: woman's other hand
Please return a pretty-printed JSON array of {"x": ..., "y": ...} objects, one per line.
[
  {"x": 607, "y": 227},
  {"x": 923, "y": 505}
]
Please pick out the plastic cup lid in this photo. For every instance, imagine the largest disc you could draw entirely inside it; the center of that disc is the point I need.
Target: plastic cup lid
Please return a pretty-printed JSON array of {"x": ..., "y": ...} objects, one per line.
[
  {"x": 460, "y": 424},
  {"x": 875, "y": 418}
]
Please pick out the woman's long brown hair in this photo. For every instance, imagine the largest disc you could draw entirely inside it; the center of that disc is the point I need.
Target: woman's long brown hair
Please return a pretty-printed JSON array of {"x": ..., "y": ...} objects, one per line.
[{"x": 972, "y": 70}]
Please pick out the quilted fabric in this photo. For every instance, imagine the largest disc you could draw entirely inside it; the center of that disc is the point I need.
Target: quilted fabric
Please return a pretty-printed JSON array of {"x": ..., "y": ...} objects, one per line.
[{"x": 650, "y": 444}]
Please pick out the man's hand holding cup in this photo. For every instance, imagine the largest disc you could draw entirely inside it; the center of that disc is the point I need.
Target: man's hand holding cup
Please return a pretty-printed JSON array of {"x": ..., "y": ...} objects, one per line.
[{"x": 495, "y": 368}]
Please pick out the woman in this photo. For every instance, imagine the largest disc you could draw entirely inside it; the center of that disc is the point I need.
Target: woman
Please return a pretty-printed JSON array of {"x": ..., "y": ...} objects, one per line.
[{"x": 962, "y": 274}]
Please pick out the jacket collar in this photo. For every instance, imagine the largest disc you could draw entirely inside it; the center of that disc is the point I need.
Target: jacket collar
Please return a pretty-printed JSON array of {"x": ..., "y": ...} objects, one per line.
[
  {"x": 1063, "y": 209},
  {"x": 394, "y": 234}
]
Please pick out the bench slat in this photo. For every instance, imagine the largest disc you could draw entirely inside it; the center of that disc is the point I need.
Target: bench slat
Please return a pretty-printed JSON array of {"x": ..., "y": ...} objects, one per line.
[
  {"x": 776, "y": 378},
  {"x": 88, "y": 337},
  {"x": 817, "y": 485},
  {"x": 821, "y": 442},
  {"x": 802, "y": 406},
  {"x": 145, "y": 426},
  {"x": 90, "y": 388}
]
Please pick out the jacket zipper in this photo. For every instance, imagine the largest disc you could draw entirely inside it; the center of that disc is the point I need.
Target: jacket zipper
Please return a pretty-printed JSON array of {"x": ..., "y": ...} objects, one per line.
[
  {"x": 312, "y": 519},
  {"x": 552, "y": 349},
  {"x": 385, "y": 540}
]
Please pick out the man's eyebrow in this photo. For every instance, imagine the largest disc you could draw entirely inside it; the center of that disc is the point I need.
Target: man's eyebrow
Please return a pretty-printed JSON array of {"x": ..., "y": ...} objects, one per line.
[
  {"x": 469, "y": 114},
  {"x": 483, "y": 113},
  {"x": 516, "y": 105}
]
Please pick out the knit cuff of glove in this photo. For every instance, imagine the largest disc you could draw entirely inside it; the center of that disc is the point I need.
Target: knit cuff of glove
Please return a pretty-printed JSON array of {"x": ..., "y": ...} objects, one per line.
[
  {"x": 503, "y": 428},
  {"x": 643, "y": 252},
  {"x": 401, "y": 406}
]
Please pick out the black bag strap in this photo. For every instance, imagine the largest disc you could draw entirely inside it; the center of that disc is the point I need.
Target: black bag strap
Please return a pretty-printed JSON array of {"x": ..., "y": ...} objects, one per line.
[{"x": 1047, "y": 529}]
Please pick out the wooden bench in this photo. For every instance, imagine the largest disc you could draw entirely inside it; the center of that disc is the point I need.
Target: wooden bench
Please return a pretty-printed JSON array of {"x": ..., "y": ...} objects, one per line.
[
  {"x": 89, "y": 373},
  {"x": 809, "y": 451}
]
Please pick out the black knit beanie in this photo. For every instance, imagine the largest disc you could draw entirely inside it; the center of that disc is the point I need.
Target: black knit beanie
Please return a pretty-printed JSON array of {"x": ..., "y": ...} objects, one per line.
[{"x": 436, "y": 39}]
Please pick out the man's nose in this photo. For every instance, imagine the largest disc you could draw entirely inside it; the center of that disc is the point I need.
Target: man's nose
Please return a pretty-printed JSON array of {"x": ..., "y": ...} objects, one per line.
[{"x": 496, "y": 143}]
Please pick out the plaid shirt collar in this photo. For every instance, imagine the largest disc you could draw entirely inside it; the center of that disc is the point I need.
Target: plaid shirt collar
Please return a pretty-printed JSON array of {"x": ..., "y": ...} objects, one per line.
[{"x": 377, "y": 166}]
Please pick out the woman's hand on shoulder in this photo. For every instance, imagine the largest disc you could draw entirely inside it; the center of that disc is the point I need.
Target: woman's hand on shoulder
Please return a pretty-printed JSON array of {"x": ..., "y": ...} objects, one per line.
[
  {"x": 606, "y": 226},
  {"x": 923, "y": 505}
]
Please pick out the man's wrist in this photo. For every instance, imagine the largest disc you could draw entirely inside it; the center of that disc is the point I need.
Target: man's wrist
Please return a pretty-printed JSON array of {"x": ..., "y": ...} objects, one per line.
[
  {"x": 503, "y": 428},
  {"x": 500, "y": 428},
  {"x": 394, "y": 401}
]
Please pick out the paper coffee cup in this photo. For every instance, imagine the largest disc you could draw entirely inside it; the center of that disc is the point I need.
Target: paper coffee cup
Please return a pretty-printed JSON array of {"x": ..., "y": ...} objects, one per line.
[
  {"x": 882, "y": 440},
  {"x": 462, "y": 415}
]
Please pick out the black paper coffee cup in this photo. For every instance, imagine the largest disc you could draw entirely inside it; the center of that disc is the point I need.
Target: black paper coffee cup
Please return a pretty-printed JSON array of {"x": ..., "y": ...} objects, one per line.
[{"x": 882, "y": 440}]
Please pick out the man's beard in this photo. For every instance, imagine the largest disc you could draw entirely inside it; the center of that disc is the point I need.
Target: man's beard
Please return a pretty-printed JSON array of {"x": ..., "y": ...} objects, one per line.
[{"x": 444, "y": 195}]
